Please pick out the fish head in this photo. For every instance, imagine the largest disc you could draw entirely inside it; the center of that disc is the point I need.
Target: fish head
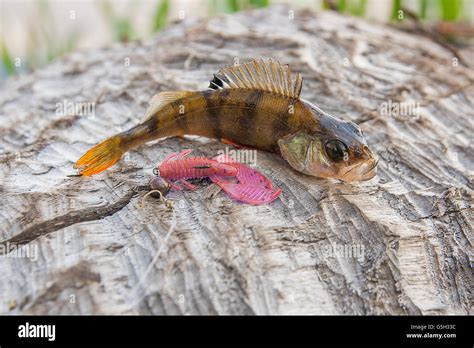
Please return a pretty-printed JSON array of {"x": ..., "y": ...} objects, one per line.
[{"x": 336, "y": 150}]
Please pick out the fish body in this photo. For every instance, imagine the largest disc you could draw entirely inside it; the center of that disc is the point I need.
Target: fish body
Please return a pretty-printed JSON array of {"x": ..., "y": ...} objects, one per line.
[
  {"x": 253, "y": 118},
  {"x": 255, "y": 104}
]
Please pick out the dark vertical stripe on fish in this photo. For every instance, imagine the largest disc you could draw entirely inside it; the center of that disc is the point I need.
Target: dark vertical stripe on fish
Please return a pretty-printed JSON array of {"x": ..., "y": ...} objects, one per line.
[
  {"x": 152, "y": 124},
  {"x": 212, "y": 110},
  {"x": 248, "y": 116},
  {"x": 280, "y": 125}
]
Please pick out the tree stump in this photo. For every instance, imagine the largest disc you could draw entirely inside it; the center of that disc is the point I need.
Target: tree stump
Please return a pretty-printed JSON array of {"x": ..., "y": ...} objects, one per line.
[{"x": 400, "y": 243}]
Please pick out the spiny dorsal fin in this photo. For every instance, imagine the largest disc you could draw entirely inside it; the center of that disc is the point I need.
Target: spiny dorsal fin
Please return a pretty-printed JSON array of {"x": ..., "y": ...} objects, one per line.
[
  {"x": 259, "y": 75},
  {"x": 159, "y": 100}
]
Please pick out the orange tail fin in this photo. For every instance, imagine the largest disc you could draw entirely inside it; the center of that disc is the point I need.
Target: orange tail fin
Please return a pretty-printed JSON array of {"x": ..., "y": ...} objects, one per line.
[{"x": 100, "y": 157}]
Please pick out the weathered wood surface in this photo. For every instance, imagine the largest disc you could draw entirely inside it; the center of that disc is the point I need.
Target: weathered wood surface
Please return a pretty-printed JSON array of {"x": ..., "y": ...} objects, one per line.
[{"x": 100, "y": 251}]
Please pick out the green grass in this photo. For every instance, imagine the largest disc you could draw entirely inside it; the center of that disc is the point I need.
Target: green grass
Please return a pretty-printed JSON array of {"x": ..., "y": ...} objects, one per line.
[
  {"x": 160, "y": 18},
  {"x": 259, "y": 3},
  {"x": 423, "y": 9},
  {"x": 233, "y": 6},
  {"x": 45, "y": 45},
  {"x": 396, "y": 7},
  {"x": 450, "y": 9},
  {"x": 341, "y": 6},
  {"x": 353, "y": 7},
  {"x": 121, "y": 27},
  {"x": 7, "y": 60},
  {"x": 359, "y": 8}
]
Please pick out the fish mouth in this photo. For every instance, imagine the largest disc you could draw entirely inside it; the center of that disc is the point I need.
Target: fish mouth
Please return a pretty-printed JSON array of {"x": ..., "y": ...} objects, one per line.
[
  {"x": 361, "y": 172},
  {"x": 371, "y": 170}
]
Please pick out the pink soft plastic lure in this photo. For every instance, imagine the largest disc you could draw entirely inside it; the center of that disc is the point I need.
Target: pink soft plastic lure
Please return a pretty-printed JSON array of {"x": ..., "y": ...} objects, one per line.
[
  {"x": 251, "y": 187},
  {"x": 176, "y": 167}
]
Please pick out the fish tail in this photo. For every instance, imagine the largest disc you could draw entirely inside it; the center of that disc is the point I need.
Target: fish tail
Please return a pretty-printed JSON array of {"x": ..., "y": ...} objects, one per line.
[
  {"x": 109, "y": 152},
  {"x": 101, "y": 156}
]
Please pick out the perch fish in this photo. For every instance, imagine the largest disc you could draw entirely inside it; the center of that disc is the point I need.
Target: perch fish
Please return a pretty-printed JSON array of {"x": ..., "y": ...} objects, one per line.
[{"x": 255, "y": 104}]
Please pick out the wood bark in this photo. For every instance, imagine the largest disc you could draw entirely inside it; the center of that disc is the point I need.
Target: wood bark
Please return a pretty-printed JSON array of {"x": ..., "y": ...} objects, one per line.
[{"x": 398, "y": 244}]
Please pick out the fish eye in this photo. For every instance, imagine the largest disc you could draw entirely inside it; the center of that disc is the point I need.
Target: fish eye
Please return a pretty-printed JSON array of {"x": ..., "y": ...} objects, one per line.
[{"x": 337, "y": 150}]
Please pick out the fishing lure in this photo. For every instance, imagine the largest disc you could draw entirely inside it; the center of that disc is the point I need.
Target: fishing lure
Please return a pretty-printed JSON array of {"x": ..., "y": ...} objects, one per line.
[
  {"x": 249, "y": 194},
  {"x": 177, "y": 167},
  {"x": 159, "y": 187},
  {"x": 160, "y": 184},
  {"x": 255, "y": 104},
  {"x": 251, "y": 187},
  {"x": 245, "y": 174}
]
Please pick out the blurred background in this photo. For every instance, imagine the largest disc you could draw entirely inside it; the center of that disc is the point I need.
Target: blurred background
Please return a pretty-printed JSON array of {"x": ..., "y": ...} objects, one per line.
[{"x": 35, "y": 32}]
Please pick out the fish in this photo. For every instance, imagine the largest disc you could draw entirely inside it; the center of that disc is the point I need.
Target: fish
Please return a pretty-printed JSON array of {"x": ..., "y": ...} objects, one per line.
[{"x": 256, "y": 104}]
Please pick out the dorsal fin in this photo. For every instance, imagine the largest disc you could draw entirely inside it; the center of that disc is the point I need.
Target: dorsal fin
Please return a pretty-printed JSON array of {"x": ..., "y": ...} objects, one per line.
[
  {"x": 159, "y": 100},
  {"x": 259, "y": 75}
]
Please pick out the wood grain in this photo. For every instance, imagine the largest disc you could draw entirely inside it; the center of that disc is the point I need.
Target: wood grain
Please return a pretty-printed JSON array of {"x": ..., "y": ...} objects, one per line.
[{"x": 398, "y": 244}]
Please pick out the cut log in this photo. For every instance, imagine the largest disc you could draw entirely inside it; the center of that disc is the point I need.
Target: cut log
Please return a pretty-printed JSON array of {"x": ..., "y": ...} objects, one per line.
[{"x": 400, "y": 243}]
